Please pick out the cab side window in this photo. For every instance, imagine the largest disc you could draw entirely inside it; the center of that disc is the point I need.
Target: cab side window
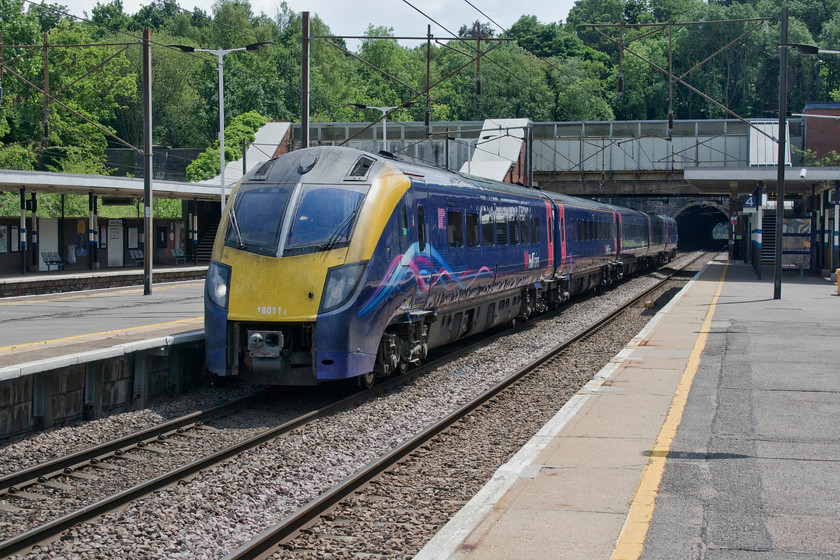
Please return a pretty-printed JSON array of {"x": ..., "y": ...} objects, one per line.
[{"x": 421, "y": 228}]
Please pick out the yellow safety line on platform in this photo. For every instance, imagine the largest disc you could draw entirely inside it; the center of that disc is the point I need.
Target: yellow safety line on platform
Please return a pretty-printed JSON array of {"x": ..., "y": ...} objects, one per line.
[
  {"x": 99, "y": 334},
  {"x": 632, "y": 539},
  {"x": 31, "y": 299}
]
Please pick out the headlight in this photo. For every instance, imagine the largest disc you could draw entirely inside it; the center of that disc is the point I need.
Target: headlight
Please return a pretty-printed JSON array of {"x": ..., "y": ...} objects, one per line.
[
  {"x": 340, "y": 284},
  {"x": 217, "y": 284}
]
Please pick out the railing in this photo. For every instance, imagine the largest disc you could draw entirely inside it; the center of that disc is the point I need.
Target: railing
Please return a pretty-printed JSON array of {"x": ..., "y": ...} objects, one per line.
[{"x": 566, "y": 146}]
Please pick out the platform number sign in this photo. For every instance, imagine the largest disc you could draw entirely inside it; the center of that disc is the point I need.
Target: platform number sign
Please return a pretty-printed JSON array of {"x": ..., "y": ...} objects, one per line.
[{"x": 749, "y": 203}]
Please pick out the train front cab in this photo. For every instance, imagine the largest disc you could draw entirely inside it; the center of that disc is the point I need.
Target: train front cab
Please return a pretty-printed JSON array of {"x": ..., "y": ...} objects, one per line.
[{"x": 307, "y": 315}]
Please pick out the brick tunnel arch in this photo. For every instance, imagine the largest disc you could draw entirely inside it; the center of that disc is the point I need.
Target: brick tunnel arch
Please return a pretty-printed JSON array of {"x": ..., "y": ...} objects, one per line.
[{"x": 696, "y": 221}]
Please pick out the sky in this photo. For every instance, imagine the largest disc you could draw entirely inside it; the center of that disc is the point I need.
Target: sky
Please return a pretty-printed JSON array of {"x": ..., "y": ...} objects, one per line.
[{"x": 351, "y": 17}]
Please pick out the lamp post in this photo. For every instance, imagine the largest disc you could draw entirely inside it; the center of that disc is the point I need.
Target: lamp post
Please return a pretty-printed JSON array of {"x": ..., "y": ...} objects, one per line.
[
  {"x": 780, "y": 163},
  {"x": 384, "y": 119},
  {"x": 221, "y": 53}
]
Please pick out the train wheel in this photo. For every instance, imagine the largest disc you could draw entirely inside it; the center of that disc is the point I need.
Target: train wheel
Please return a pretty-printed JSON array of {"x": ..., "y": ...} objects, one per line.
[{"x": 367, "y": 380}]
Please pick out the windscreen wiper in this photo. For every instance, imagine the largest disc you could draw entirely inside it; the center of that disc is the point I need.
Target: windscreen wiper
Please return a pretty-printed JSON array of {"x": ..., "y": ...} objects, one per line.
[
  {"x": 333, "y": 239},
  {"x": 235, "y": 223}
]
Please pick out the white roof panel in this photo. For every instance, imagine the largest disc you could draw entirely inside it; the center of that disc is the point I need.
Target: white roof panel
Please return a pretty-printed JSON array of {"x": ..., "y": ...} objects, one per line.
[{"x": 499, "y": 146}]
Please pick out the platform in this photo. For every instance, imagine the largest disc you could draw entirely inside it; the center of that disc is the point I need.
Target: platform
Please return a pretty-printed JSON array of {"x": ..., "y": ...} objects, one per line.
[
  {"x": 82, "y": 279},
  {"x": 55, "y": 326},
  {"x": 713, "y": 434},
  {"x": 85, "y": 354}
]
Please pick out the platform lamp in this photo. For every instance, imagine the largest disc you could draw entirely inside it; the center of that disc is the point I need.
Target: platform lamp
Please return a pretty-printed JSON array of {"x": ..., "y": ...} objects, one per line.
[
  {"x": 221, "y": 53},
  {"x": 384, "y": 119}
]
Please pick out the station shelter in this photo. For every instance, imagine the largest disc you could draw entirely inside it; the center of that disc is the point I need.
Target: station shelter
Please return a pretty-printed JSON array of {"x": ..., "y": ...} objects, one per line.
[{"x": 30, "y": 243}]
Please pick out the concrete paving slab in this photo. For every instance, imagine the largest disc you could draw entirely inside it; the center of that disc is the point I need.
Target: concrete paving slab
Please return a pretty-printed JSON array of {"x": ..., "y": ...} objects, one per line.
[
  {"x": 803, "y": 534},
  {"x": 539, "y": 534},
  {"x": 572, "y": 451},
  {"x": 635, "y": 416},
  {"x": 593, "y": 488}
]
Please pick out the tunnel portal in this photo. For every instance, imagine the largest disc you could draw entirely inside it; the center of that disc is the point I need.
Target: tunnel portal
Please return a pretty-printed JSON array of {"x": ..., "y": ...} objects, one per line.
[{"x": 700, "y": 227}]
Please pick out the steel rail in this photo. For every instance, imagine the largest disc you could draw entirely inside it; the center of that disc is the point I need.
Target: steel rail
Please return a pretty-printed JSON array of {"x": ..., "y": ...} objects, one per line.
[
  {"x": 52, "y": 529},
  {"x": 13, "y": 482},
  {"x": 274, "y": 537}
]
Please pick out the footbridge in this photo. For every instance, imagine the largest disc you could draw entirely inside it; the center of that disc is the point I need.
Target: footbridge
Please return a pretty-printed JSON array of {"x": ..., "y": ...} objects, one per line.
[{"x": 701, "y": 172}]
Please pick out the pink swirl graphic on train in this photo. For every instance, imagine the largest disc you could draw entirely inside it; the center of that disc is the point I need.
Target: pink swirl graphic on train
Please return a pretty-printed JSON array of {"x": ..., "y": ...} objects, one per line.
[{"x": 416, "y": 267}]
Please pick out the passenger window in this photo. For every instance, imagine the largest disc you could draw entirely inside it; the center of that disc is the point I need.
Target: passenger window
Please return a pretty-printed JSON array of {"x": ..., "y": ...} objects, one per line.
[
  {"x": 501, "y": 231},
  {"x": 487, "y": 230},
  {"x": 535, "y": 230},
  {"x": 455, "y": 229},
  {"x": 421, "y": 228},
  {"x": 525, "y": 228},
  {"x": 472, "y": 230},
  {"x": 514, "y": 231}
]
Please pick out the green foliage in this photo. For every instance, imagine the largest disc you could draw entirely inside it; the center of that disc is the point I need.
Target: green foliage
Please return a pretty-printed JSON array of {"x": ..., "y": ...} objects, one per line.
[
  {"x": 16, "y": 156},
  {"x": 49, "y": 15},
  {"x": 831, "y": 159},
  {"x": 207, "y": 164},
  {"x": 553, "y": 71}
]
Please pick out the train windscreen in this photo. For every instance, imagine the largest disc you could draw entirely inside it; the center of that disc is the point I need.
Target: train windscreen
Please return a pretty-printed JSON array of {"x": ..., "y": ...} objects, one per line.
[
  {"x": 324, "y": 218},
  {"x": 257, "y": 218}
]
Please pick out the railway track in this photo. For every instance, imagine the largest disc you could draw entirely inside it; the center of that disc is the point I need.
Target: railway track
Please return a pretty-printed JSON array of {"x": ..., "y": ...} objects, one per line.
[
  {"x": 16, "y": 482},
  {"x": 322, "y": 511},
  {"x": 296, "y": 522}
]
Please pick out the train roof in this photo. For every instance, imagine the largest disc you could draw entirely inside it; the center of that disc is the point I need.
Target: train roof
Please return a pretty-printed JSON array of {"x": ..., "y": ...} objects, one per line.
[{"x": 357, "y": 165}]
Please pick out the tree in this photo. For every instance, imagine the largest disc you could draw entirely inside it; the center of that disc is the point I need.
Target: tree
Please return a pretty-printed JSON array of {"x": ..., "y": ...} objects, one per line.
[
  {"x": 484, "y": 30},
  {"x": 49, "y": 15},
  {"x": 207, "y": 165},
  {"x": 155, "y": 15},
  {"x": 100, "y": 97},
  {"x": 829, "y": 73},
  {"x": 19, "y": 123},
  {"x": 108, "y": 18}
]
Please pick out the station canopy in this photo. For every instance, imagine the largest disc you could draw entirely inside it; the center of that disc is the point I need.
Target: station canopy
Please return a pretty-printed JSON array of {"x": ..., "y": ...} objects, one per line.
[{"x": 102, "y": 185}]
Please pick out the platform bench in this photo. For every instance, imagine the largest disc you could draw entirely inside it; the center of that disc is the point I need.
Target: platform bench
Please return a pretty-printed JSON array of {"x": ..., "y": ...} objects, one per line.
[
  {"x": 136, "y": 255},
  {"x": 52, "y": 259},
  {"x": 179, "y": 256}
]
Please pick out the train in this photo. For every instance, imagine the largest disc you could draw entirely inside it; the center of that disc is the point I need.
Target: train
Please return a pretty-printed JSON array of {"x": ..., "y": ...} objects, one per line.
[{"x": 332, "y": 263}]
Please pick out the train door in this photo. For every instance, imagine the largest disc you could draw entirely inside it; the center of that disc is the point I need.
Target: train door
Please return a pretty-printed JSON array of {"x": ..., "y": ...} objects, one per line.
[
  {"x": 419, "y": 239},
  {"x": 402, "y": 240},
  {"x": 619, "y": 235},
  {"x": 560, "y": 237}
]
